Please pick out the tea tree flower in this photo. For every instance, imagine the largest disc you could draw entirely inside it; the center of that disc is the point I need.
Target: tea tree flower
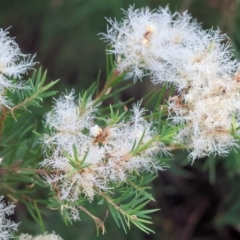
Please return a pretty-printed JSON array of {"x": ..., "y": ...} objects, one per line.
[
  {"x": 70, "y": 122},
  {"x": 145, "y": 39},
  {"x": 86, "y": 159},
  {"x": 7, "y": 227},
  {"x": 174, "y": 49},
  {"x": 122, "y": 137},
  {"x": 133, "y": 40},
  {"x": 13, "y": 64},
  {"x": 44, "y": 236}
]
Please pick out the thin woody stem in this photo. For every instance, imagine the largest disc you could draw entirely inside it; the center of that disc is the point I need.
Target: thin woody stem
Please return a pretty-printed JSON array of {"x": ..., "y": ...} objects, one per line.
[
  {"x": 10, "y": 189},
  {"x": 15, "y": 169},
  {"x": 107, "y": 85},
  {"x": 99, "y": 223},
  {"x": 22, "y": 104},
  {"x": 2, "y": 119}
]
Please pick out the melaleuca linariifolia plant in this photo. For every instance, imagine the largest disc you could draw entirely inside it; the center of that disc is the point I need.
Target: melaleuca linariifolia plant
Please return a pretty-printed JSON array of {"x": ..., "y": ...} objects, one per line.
[
  {"x": 87, "y": 152},
  {"x": 175, "y": 50}
]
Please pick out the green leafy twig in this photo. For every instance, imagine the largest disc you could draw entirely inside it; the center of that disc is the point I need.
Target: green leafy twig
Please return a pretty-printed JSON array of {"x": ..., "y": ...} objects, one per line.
[
  {"x": 130, "y": 212},
  {"x": 35, "y": 91}
]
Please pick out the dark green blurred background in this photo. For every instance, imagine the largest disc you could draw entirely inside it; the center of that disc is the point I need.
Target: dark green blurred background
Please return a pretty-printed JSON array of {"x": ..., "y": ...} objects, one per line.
[{"x": 199, "y": 201}]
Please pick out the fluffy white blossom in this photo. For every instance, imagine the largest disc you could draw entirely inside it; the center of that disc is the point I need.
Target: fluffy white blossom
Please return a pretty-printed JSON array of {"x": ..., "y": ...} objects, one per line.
[
  {"x": 145, "y": 40},
  {"x": 44, "y": 236},
  {"x": 174, "y": 49},
  {"x": 85, "y": 158},
  {"x": 125, "y": 137},
  {"x": 13, "y": 64},
  {"x": 7, "y": 227}
]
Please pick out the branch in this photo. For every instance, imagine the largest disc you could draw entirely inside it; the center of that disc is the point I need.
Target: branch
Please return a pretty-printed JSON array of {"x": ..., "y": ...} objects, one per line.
[
  {"x": 108, "y": 85},
  {"x": 99, "y": 223}
]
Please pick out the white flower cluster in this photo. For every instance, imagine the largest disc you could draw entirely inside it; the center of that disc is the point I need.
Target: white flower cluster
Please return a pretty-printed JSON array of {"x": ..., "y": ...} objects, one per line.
[
  {"x": 7, "y": 227},
  {"x": 174, "y": 49},
  {"x": 45, "y": 236},
  {"x": 85, "y": 158},
  {"x": 13, "y": 63}
]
